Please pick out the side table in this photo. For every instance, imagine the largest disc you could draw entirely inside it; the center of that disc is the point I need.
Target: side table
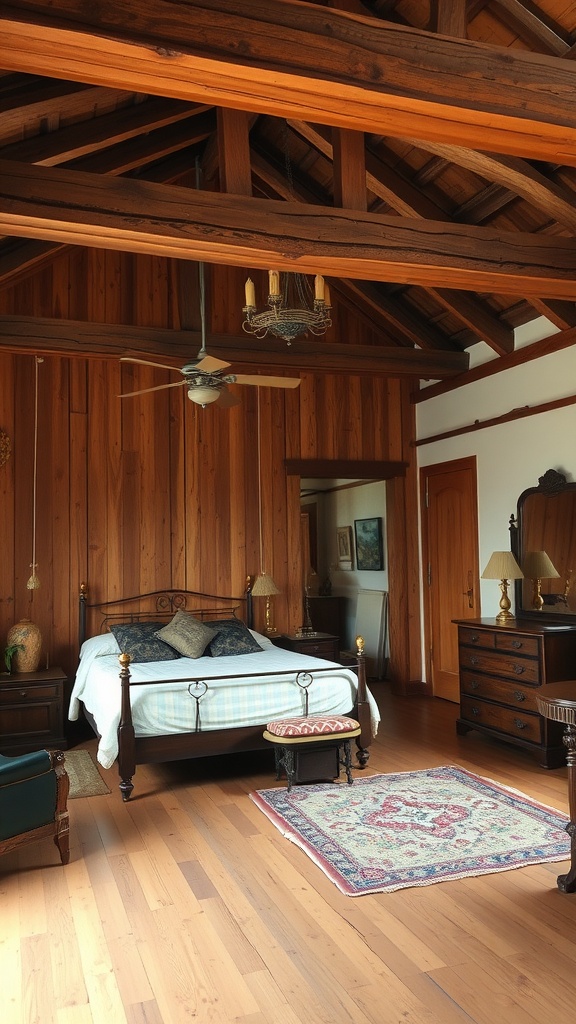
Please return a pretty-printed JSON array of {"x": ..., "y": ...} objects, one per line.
[
  {"x": 32, "y": 711},
  {"x": 317, "y": 645},
  {"x": 558, "y": 703}
]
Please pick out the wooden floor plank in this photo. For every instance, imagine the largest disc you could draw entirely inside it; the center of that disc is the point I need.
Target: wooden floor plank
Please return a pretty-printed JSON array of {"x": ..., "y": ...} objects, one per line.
[{"x": 187, "y": 904}]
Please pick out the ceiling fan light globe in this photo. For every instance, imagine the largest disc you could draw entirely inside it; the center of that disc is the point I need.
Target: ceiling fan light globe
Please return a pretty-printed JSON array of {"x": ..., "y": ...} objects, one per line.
[{"x": 203, "y": 395}]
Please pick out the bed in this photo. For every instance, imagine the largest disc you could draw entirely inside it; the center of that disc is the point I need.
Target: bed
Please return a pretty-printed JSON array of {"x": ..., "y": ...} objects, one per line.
[{"x": 213, "y": 695}]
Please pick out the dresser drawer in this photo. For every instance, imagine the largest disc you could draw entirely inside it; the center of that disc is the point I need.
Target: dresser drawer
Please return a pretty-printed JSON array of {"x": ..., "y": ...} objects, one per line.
[
  {"x": 28, "y": 694},
  {"x": 519, "y": 724},
  {"x": 501, "y": 664},
  {"x": 527, "y": 645},
  {"x": 511, "y": 693},
  {"x": 320, "y": 649},
  {"x": 476, "y": 637}
]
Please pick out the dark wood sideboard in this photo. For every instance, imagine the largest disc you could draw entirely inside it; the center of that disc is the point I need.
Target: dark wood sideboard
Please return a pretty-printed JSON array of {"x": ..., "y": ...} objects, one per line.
[{"x": 502, "y": 671}]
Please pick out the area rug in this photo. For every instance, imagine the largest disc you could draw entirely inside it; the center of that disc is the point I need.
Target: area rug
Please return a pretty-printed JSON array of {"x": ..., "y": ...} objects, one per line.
[
  {"x": 85, "y": 779},
  {"x": 388, "y": 832}
]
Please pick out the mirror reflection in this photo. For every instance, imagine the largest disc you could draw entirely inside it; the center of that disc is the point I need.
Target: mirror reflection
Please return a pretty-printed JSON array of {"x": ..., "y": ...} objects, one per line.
[{"x": 544, "y": 541}]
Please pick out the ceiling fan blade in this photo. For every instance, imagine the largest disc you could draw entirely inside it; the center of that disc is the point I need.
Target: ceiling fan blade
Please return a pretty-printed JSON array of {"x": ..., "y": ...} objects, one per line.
[
  {"x": 160, "y": 387},
  {"x": 267, "y": 382},
  {"x": 147, "y": 362},
  {"x": 227, "y": 399},
  {"x": 208, "y": 364}
]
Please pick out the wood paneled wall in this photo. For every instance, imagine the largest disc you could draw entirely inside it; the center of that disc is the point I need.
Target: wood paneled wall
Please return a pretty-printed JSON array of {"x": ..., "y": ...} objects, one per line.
[{"x": 151, "y": 492}]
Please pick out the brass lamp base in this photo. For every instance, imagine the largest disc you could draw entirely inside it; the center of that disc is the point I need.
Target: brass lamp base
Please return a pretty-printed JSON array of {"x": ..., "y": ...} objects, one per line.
[
  {"x": 270, "y": 628},
  {"x": 505, "y": 616}
]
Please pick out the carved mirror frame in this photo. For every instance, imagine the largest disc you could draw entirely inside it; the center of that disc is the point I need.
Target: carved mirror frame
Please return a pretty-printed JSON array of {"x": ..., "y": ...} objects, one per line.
[{"x": 556, "y": 610}]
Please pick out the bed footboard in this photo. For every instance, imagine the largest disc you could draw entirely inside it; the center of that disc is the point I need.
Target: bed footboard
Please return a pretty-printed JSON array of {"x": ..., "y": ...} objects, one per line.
[{"x": 143, "y": 750}]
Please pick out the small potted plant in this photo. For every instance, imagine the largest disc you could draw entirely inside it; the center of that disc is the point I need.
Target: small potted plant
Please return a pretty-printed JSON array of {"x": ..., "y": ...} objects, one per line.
[{"x": 9, "y": 653}]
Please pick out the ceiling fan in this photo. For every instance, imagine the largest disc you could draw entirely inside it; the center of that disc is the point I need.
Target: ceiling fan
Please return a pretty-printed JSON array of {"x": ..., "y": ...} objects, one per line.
[
  {"x": 206, "y": 381},
  {"x": 204, "y": 378}
]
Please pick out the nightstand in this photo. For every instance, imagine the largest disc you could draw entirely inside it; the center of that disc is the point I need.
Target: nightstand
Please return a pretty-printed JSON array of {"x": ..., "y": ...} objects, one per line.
[
  {"x": 317, "y": 645},
  {"x": 32, "y": 711}
]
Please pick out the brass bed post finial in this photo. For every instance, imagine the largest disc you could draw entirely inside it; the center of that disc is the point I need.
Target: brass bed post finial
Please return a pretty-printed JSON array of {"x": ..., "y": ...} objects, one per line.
[{"x": 360, "y": 645}]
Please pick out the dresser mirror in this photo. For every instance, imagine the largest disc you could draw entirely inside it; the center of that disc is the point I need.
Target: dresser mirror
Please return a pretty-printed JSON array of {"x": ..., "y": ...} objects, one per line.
[{"x": 546, "y": 522}]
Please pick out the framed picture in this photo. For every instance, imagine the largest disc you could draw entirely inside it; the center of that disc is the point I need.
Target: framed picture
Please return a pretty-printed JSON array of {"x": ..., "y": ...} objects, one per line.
[
  {"x": 369, "y": 550},
  {"x": 344, "y": 537}
]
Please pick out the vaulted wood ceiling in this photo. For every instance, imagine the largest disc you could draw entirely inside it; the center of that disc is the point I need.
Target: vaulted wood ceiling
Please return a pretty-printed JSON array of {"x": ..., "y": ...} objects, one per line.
[{"x": 421, "y": 155}]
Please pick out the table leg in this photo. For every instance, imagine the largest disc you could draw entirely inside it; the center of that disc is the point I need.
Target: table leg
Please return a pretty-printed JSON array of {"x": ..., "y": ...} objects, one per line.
[{"x": 567, "y": 883}]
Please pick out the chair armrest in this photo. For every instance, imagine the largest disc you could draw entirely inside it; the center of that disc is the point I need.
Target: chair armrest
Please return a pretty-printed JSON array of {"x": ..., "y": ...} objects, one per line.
[{"x": 25, "y": 766}]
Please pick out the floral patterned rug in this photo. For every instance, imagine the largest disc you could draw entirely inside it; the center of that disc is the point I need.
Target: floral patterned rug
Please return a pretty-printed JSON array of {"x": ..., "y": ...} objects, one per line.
[{"x": 388, "y": 832}]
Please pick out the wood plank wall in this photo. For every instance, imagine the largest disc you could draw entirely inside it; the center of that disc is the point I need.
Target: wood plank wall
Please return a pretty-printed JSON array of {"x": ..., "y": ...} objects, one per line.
[{"x": 152, "y": 492}]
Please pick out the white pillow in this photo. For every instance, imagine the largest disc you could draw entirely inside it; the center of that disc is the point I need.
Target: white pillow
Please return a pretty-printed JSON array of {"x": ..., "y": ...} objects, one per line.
[{"x": 99, "y": 646}]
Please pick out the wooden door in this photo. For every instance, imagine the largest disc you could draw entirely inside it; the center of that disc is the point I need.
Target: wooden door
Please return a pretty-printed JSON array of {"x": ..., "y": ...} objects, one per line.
[{"x": 450, "y": 559}]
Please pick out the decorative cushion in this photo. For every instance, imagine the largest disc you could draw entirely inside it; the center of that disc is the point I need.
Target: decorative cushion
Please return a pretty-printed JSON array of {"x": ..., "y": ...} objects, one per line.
[
  {"x": 139, "y": 641},
  {"x": 233, "y": 637},
  {"x": 312, "y": 725},
  {"x": 186, "y": 635}
]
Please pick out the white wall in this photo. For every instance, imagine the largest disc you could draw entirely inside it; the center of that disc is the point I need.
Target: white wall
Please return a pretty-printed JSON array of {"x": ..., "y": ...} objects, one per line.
[
  {"x": 340, "y": 508},
  {"x": 512, "y": 456}
]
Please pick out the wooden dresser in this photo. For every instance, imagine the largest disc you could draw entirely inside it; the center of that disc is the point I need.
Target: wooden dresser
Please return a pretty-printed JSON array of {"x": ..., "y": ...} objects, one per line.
[{"x": 502, "y": 669}]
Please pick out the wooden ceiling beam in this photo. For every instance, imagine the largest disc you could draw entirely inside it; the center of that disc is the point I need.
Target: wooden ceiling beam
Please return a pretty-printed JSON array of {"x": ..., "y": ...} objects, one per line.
[
  {"x": 534, "y": 27},
  {"x": 308, "y": 62},
  {"x": 136, "y": 216},
  {"x": 148, "y": 147},
  {"x": 408, "y": 201},
  {"x": 85, "y": 339},
  {"x": 78, "y": 140},
  {"x": 448, "y": 17},
  {"x": 518, "y": 176}
]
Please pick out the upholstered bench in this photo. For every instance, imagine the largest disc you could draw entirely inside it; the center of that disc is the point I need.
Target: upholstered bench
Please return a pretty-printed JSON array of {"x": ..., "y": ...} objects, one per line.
[{"x": 312, "y": 748}]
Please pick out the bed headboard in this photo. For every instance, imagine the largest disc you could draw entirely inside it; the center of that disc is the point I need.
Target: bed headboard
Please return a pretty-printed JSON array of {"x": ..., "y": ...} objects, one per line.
[{"x": 162, "y": 605}]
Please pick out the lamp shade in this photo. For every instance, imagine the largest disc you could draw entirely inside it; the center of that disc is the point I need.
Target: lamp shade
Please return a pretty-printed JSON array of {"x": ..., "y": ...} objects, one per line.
[
  {"x": 264, "y": 586},
  {"x": 537, "y": 566},
  {"x": 502, "y": 566}
]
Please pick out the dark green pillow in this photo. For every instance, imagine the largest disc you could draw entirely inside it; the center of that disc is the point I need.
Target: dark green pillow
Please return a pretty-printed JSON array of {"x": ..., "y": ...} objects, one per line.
[
  {"x": 233, "y": 637},
  {"x": 138, "y": 640}
]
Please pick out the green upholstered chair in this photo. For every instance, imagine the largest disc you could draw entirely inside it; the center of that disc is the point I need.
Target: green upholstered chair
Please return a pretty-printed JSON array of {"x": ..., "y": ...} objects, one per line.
[{"x": 33, "y": 801}]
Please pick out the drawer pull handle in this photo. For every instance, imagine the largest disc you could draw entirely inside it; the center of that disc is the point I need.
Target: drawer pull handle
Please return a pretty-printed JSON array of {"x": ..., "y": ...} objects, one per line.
[
  {"x": 517, "y": 644},
  {"x": 474, "y": 684},
  {"x": 475, "y": 711},
  {"x": 519, "y": 669},
  {"x": 474, "y": 638},
  {"x": 23, "y": 693},
  {"x": 519, "y": 724},
  {"x": 519, "y": 696},
  {"x": 473, "y": 660}
]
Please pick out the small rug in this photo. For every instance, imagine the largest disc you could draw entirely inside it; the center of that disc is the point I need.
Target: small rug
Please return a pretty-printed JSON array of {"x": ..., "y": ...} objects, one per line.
[
  {"x": 85, "y": 779},
  {"x": 388, "y": 832}
]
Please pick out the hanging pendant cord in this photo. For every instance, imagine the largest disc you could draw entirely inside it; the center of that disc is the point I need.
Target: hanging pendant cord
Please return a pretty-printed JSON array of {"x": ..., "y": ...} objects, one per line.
[{"x": 33, "y": 582}]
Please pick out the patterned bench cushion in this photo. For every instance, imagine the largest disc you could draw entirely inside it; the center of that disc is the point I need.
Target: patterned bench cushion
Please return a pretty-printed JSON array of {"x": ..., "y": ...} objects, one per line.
[{"x": 308, "y": 726}]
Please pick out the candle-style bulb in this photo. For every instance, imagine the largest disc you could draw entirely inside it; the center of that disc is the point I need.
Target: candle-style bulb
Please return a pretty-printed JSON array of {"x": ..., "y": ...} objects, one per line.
[
  {"x": 319, "y": 287},
  {"x": 250, "y": 293},
  {"x": 273, "y": 282}
]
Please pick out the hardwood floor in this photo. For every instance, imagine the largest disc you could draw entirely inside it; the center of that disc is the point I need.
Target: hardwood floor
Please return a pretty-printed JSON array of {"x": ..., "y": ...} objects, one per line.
[{"x": 188, "y": 905}]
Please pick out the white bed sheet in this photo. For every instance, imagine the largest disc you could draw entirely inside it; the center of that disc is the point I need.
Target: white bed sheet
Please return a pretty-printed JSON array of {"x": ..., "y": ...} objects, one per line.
[{"x": 230, "y": 702}]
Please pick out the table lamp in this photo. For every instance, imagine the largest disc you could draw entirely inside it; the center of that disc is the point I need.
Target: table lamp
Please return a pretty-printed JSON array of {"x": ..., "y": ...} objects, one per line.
[
  {"x": 264, "y": 586},
  {"x": 536, "y": 566},
  {"x": 503, "y": 566}
]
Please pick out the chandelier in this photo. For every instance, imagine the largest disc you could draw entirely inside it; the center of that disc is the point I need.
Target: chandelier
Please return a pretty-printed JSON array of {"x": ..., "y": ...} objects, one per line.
[{"x": 292, "y": 311}]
